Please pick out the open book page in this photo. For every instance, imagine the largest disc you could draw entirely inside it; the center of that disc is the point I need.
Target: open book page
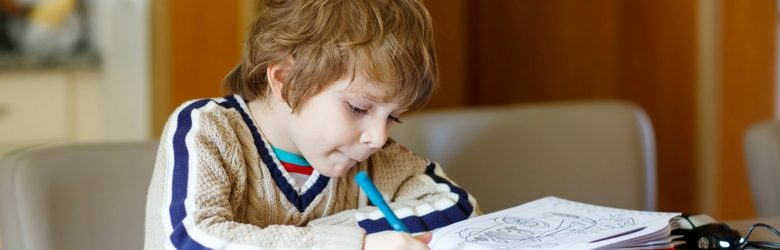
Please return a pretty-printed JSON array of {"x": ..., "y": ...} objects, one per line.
[{"x": 555, "y": 223}]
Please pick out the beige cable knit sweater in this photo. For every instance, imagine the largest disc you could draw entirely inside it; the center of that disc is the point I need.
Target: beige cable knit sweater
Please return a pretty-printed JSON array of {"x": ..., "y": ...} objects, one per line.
[{"x": 218, "y": 185}]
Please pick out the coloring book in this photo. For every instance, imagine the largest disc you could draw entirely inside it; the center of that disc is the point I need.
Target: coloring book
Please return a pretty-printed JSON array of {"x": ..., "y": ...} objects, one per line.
[{"x": 555, "y": 223}]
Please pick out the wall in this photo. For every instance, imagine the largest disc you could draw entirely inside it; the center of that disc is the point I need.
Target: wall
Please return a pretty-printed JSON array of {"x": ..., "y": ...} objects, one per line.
[
  {"x": 44, "y": 105},
  {"x": 658, "y": 71},
  {"x": 123, "y": 31},
  {"x": 642, "y": 51},
  {"x": 196, "y": 43},
  {"x": 449, "y": 20},
  {"x": 747, "y": 90},
  {"x": 83, "y": 98}
]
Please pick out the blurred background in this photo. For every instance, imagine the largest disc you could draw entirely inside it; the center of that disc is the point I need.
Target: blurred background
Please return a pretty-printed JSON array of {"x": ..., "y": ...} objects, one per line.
[{"x": 704, "y": 70}]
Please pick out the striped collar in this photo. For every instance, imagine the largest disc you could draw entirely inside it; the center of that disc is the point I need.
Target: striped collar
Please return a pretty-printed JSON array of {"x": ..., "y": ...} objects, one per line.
[
  {"x": 293, "y": 158},
  {"x": 292, "y": 162},
  {"x": 300, "y": 201}
]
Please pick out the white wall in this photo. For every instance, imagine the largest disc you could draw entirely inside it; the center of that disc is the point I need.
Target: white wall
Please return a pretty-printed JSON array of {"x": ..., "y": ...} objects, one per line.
[
  {"x": 109, "y": 102},
  {"x": 123, "y": 39}
]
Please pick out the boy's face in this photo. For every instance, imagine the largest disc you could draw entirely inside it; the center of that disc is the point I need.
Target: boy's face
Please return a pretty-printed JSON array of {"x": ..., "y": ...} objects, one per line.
[{"x": 343, "y": 124}]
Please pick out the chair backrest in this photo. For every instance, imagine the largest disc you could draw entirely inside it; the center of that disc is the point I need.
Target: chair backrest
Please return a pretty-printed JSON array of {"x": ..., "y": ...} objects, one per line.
[
  {"x": 75, "y": 196},
  {"x": 762, "y": 152},
  {"x": 601, "y": 152}
]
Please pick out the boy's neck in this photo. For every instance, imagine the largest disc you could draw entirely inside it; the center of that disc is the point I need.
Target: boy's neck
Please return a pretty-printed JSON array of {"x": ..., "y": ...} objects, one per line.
[{"x": 272, "y": 119}]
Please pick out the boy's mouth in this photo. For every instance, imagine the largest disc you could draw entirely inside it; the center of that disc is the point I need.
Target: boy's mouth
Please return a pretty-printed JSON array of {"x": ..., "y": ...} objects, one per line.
[{"x": 355, "y": 159}]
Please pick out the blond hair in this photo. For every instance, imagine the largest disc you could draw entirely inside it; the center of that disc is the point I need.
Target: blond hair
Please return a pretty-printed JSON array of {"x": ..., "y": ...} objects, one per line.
[{"x": 389, "y": 41}]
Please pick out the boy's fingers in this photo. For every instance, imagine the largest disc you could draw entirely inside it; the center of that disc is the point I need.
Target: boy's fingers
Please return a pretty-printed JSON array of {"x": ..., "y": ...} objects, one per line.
[{"x": 425, "y": 237}]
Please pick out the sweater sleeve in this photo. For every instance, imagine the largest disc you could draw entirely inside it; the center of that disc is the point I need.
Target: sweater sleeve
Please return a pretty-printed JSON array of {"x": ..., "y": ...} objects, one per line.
[
  {"x": 419, "y": 192},
  {"x": 206, "y": 178}
]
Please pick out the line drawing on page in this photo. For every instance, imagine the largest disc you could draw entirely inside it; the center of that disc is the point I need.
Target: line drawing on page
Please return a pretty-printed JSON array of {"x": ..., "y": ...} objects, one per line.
[{"x": 510, "y": 231}]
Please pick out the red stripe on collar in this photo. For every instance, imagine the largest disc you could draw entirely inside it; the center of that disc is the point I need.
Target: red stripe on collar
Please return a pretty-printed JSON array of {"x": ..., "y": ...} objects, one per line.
[{"x": 293, "y": 168}]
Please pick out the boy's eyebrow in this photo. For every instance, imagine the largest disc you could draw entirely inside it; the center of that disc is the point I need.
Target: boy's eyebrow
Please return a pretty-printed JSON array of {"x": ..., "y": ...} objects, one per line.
[
  {"x": 372, "y": 98},
  {"x": 367, "y": 96}
]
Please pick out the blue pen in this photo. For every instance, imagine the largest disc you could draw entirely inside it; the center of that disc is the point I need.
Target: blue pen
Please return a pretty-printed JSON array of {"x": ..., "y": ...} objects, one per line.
[{"x": 373, "y": 194}]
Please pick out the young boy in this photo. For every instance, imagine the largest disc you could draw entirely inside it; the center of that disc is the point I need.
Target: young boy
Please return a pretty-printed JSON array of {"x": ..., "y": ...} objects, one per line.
[{"x": 273, "y": 164}]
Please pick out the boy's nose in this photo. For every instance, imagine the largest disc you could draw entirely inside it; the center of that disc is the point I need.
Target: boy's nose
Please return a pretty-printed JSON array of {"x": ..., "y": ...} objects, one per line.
[{"x": 375, "y": 135}]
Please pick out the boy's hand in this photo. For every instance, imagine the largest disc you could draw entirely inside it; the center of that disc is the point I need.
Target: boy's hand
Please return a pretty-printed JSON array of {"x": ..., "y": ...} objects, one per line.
[{"x": 397, "y": 240}]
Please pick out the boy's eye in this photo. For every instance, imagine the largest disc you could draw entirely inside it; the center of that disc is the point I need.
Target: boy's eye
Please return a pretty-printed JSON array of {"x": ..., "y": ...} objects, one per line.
[
  {"x": 357, "y": 110},
  {"x": 395, "y": 119},
  {"x": 352, "y": 108}
]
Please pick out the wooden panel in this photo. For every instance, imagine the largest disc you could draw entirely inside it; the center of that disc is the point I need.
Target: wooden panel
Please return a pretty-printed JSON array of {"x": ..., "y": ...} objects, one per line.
[
  {"x": 450, "y": 32},
  {"x": 748, "y": 51},
  {"x": 160, "y": 66},
  {"x": 525, "y": 51},
  {"x": 204, "y": 46},
  {"x": 658, "y": 71},
  {"x": 642, "y": 51}
]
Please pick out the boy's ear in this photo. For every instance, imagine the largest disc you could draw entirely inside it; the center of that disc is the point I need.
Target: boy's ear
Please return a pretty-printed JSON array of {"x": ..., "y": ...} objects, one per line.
[{"x": 277, "y": 77}]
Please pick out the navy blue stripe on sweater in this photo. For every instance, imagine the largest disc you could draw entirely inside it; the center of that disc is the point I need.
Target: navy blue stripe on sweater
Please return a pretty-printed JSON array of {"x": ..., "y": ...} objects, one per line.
[
  {"x": 180, "y": 238},
  {"x": 301, "y": 202},
  {"x": 458, "y": 212}
]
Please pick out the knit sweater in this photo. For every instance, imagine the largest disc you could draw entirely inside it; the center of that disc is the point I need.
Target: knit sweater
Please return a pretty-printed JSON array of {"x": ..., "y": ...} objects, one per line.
[{"x": 217, "y": 184}]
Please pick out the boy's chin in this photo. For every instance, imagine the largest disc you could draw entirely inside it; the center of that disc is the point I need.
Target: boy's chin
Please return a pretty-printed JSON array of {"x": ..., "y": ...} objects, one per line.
[{"x": 336, "y": 171}]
